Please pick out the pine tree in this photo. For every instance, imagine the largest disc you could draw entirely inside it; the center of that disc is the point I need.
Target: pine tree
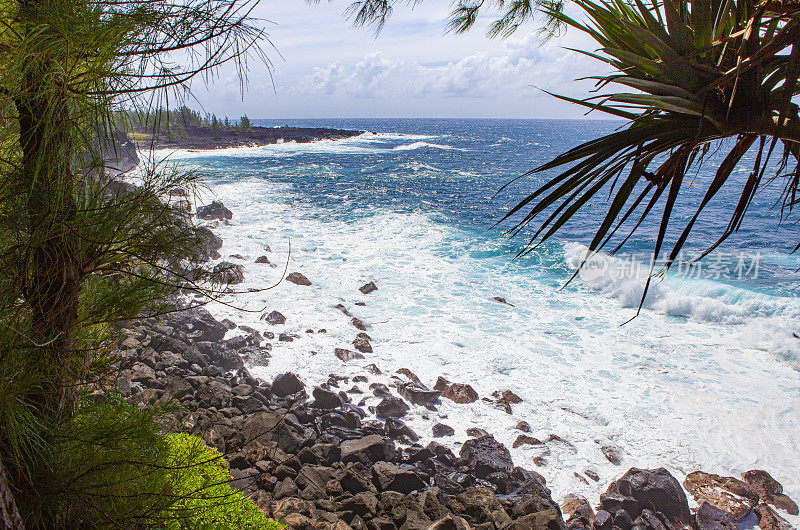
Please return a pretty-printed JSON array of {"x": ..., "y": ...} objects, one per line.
[{"x": 78, "y": 249}]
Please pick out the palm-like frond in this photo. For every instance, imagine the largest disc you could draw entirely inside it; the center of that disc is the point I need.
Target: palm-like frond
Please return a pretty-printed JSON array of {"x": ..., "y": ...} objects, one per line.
[
  {"x": 702, "y": 71},
  {"x": 510, "y": 14}
]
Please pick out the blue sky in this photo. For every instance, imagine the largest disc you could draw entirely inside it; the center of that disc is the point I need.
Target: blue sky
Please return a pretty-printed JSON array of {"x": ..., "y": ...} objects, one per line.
[{"x": 323, "y": 67}]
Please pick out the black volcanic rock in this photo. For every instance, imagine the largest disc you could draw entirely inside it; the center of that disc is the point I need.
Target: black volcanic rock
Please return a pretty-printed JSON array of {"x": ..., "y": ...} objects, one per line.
[
  {"x": 286, "y": 384},
  {"x": 485, "y": 456},
  {"x": 367, "y": 450},
  {"x": 368, "y": 288},
  {"x": 298, "y": 279},
  {"x": 325, "y": 399},
  {"x": 274, "y": 318},
  {"x": 440, "y": 429},
  {"x": 417, "y": 395},
  {"x": 656, "y": 489},
  {"x": 226, "y": 272},
  {"x": 392, "y": 477},
  {"x": 391, "y": 407},
  {"x": 214, "y": 211},
  {"x": 207, "y": 245},
  {"x": 198, "y": 324},
  {"x": 710, "y": 518},
  {"x": 208, "y": 138}
]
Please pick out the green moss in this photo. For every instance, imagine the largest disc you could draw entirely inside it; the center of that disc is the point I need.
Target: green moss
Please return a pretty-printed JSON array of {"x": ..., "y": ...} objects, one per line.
[{"x": 205, "y": 497}]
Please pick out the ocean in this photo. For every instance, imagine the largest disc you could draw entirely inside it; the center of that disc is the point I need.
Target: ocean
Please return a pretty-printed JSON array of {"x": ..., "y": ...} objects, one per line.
[{"x": 706, "y": 377}]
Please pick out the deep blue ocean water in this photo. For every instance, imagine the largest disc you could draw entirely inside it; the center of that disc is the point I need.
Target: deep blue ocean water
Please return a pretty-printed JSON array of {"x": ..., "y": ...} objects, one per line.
[
  {"x": 706, "y": 377},
  {"x": 453, "y": 170}
]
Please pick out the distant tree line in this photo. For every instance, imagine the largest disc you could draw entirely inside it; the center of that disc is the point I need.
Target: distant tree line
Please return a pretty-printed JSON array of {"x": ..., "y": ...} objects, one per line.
[{"x": 175, "y": 120}]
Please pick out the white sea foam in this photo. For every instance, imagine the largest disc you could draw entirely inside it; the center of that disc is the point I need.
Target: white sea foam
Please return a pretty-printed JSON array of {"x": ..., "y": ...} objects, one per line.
[
  {"x": 421, "y": 145},
  {"x": 363, "y": 144},
  {"x": 712, "y": 388}
]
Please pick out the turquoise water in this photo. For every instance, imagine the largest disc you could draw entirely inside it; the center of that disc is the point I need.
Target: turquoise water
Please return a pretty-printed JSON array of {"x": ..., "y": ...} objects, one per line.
[
  {"x": 453, "y": 169},
  {"x": 705, "y": 378}
]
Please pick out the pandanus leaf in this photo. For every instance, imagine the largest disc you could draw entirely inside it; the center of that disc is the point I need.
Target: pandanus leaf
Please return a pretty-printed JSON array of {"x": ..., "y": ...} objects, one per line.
[
  {"x": 654, "y": 87},
  {"x": 691, "y": 61}
]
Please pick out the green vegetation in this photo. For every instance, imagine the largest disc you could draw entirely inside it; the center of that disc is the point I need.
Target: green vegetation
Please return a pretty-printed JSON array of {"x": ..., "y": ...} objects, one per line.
[
  {"x": 81, "y": 251},
  {"x": 707, "y": 76},
  {"x": 172, "y": 481},
  {"x": 206, "y": 498},
  {"x": 174, "y": 121}
]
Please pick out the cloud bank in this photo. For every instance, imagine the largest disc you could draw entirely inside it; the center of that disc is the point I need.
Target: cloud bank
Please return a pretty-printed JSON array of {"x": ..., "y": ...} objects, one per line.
[{"x": 511, "y": 74}]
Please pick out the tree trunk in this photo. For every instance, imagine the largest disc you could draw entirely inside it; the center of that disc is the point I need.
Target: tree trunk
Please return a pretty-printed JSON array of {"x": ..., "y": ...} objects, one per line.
[
  {"x": 9, "y": 516},
  {"x": 53, "y": 279}
]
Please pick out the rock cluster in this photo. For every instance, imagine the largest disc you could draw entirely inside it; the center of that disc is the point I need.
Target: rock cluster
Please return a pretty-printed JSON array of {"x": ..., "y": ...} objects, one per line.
[
  {"x": 320, "y": 462},
  {"x": 323, "y": 462},
  {"x": 652, "y": 499}
]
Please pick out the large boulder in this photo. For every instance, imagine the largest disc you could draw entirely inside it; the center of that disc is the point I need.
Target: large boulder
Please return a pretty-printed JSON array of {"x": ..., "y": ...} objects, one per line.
[
  {"x": 391, "y": 407},
  {"x": 655, "y": 489},
  {"x": 728, "y": 494},
  {"x": 576, "y": 507},
  {"x": 198, "y": 325},
  {"x": 346, "y": 355},
  {"x": 214, "y": 211},
  {"x": 418, "y": 395},
  {"x": 274, "y": 318},
  {"x": 440, "y": 429},
  {"x": 325, "y": 399},
  {"x": 362, "y": 345},
  {"x": 286, "y": 384},
  {"x": 770, "y": 490},
  {"x": 356, "y": 478},
  {"x": 485, "y": 456},
  {"x": 297, "y": 279},
  {"x": 217, "y": 355},
  {"x": 768, "y": 519},
  {"x": 395, "y": 428},
  {"x": 227, "y": 273},
  {"x": 709, "y": 517},
  {"x": 368, "y": 288},
  {"x": 206, "y": 246},
  {"x": 480, "y": 504},
  {"x": 387, "y": 476},
  {"x": 367, "y": 450},
  {"x": 532, "y": 497},
  {"x": 460, "y": 393},
  {"x": 254, "y": 430},
  {"x": 363, "y": 504}
]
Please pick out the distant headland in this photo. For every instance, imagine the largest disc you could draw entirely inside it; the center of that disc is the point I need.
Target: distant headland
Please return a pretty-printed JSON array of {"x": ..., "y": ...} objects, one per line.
[{"x": 210, "y": 138}]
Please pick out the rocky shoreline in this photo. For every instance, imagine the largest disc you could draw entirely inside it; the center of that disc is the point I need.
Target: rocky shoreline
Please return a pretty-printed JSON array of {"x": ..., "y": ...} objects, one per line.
[
  {"x": 207, "y": 138},
  {"x": 320, "y": 457}
]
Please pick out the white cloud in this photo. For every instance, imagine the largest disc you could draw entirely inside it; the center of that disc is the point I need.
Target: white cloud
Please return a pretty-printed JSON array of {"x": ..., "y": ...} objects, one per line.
[
  {"x": 522, "y": 62},
  {"x": 325, "y": 68}
]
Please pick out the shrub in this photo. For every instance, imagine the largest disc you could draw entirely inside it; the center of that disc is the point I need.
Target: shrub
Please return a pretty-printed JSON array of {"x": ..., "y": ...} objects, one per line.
[
  {"x": 205, "y": 499},
  {"x": 110, "y": 467}
]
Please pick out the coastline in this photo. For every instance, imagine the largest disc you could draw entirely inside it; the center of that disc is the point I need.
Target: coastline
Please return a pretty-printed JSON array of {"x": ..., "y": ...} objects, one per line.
[
  {"x": 340, "y": 329},
  {"x": 353, "y": 377},
  {"x": 203, "y": 138}
]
